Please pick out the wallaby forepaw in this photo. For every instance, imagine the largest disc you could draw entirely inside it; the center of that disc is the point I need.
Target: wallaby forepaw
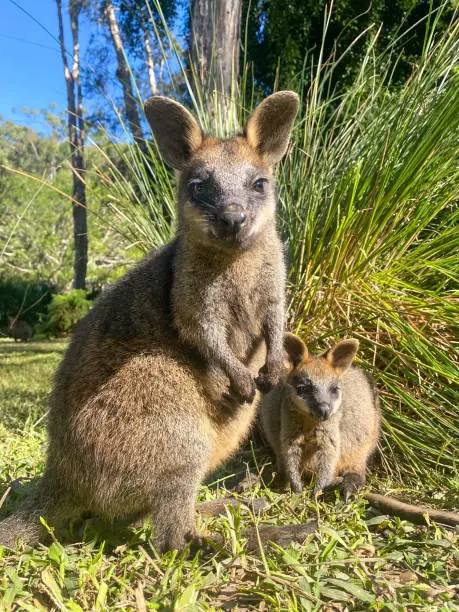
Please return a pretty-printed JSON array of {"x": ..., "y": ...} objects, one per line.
[
  {"x": 244, "y": 390},
  {"x": 268, "y": 377},
  {"x": 263, "y": 384}
]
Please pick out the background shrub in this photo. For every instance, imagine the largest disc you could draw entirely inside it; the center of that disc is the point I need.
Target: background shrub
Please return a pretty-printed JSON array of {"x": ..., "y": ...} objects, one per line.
[
  {"x": 22, "y": 299},
  {"x": 64, "y": 312}
]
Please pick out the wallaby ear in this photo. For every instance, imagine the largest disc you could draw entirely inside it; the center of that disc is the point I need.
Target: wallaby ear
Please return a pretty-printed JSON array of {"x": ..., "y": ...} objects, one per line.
[
  {"x": 176, "y": 131},
  {"x": 268, "y": 127},
  {"x": 295, "y": 351},
  {"x": 342, "y": 354}
]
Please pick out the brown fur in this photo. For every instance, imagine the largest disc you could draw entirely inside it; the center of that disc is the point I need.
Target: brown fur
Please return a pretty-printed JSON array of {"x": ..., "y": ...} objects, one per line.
[
  {"x": 155, "y": 388},
  {"x": 341, "y": 443}
]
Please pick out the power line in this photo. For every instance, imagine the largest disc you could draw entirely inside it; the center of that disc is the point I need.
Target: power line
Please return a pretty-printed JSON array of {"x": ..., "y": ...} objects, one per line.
[
  {"x": 36, "y": 20},
  {"x": 29, "y": 42}
]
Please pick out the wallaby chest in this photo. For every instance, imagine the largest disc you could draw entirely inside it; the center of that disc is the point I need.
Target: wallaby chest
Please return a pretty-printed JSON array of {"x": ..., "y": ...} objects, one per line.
[
  {"x": 315, "y": 437},
  {"x": 237, "y": 294}
]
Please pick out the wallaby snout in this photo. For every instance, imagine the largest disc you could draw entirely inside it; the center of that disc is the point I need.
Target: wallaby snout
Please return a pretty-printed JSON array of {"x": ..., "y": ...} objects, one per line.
[
  {"x": 323, "y": 411},
  {"x": 232, "y": 219}
]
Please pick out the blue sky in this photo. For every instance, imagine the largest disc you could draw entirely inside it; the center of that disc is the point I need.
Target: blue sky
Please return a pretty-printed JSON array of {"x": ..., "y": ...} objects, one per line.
[
  {"x": 31, "y": 69},
  {"x": 30, "y": 62}
]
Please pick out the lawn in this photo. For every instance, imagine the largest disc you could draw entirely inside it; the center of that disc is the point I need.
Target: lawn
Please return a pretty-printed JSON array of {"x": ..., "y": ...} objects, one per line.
[{"x": 355, "y": 560}]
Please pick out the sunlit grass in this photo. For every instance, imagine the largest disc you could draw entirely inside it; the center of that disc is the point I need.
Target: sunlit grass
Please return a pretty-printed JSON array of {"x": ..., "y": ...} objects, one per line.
[{"x": 356, "y": 558}]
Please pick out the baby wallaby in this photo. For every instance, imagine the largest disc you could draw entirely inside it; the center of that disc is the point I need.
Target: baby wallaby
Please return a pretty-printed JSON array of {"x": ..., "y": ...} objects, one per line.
[
  {"x": 136, "y": 416},
  {"x": 323, "y": 418}
]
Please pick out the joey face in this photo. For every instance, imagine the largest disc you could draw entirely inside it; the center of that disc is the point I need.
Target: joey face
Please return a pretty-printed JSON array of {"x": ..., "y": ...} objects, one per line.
[
  {"x": 315, "y": 381},
  {"x": 226, "y": 195},
  {"x": 317, "y": 395}
]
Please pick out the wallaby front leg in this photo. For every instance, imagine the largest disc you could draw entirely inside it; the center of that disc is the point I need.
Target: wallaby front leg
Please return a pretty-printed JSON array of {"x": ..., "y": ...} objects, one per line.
[
  {"x": 292, "y": 465},
  {"x": 269, "y": 374},
  {"x": 215, "y": 347},
  {"x": 326, "y": 466}
]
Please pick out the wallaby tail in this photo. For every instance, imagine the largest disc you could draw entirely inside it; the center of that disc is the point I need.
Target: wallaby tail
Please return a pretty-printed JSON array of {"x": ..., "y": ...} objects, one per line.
[
  {"x": 283, "y": 535},
  {"x": 25, "y": 526},
  {"x": 22, "y": 526},
  {"x": 409, "y": 512}
]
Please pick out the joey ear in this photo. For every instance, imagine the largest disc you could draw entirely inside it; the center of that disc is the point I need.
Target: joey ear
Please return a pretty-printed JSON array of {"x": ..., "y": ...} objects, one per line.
[
  {"x": 295, "y": 351},
  {"x": 341, "y": 355},
  {"x": 268, "y": 127},
  {"x": 176, "y": 131}
]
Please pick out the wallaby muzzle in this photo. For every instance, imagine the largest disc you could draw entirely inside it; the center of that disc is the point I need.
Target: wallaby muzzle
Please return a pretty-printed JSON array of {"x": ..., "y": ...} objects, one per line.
[{"x": 231, "y": 219}]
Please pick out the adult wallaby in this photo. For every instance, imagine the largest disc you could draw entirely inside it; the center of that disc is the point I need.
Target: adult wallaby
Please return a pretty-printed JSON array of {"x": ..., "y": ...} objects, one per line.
[
  {"x": 155, "y": 390},
  {"x": 324, "y": 419}
]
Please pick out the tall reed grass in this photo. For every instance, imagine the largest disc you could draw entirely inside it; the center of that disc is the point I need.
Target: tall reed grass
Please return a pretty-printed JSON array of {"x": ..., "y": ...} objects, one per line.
[{"x": 368, "y": 209}]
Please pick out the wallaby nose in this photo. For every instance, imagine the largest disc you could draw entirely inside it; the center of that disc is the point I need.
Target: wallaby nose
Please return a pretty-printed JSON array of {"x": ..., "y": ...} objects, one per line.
[
  {"x": 324, "y": 411},
  {"x": 233, "y": 218}
]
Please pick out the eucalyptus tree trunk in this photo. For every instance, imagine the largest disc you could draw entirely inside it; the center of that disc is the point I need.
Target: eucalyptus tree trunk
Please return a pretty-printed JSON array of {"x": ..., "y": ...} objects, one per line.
[
  {"x": 150, "y": 64},
  {"x": 215, "y": 44},
  {"x": 76, "y": 133},
  {"x": 124, "y": 77}
]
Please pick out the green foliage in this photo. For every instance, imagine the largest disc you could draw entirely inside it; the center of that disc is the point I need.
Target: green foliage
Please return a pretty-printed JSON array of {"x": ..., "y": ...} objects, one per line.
[
  {"x": 280, "y": 33},
  {"x": 24, "y": 300},
  {"x": 64, "y": 312},
  {"x": 36, "y": 225},
  {"x": 368, "y": 210}
]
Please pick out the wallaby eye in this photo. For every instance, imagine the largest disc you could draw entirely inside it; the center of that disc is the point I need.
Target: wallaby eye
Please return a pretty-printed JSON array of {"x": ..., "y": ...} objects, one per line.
[
  {"x": 197, "y": 189},
  {"x": 259, "y": 185},
  {"x": 334, "y": 389},
  {"x": 304, "y": 386}
]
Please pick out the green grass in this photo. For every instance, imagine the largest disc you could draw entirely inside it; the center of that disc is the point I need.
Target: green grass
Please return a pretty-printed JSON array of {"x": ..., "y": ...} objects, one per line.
[{"x": 356, "y": 560}]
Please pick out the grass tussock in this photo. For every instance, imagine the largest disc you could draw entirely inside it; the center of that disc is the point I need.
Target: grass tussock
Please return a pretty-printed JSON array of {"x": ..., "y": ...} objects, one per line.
[{"x": 368, "y": 209}]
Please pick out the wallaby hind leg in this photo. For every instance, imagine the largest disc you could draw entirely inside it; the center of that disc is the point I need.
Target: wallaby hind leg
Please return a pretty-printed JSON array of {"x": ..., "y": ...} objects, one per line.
[
  {"x": 173, "y": 512},
  {"x": 51, "y": 503}
]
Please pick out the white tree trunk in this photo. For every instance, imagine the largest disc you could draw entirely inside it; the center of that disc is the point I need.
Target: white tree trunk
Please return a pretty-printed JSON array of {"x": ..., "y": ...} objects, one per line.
[
  {"x": 124, "y": 77},
  {"x": 150, "y": 65}
]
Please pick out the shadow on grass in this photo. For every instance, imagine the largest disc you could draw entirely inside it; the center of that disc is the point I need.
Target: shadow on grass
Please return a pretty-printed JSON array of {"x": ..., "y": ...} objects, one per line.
[{"x": 54, "y": 346}]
